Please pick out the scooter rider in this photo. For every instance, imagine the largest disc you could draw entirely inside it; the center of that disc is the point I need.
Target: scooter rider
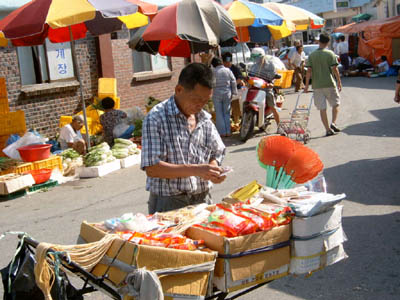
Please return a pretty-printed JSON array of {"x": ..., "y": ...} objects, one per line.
[{"x": 265, "y": 69}]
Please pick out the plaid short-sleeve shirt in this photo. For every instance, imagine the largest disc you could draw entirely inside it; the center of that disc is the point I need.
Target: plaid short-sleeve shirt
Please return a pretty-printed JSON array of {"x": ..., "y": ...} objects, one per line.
[{"x": 166, "y": 137}]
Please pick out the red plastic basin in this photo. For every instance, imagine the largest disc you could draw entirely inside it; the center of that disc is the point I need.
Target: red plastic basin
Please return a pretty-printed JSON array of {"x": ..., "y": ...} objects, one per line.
[
  {"x": 41, "y": 176},
  {"x": 34, "y": 152}
]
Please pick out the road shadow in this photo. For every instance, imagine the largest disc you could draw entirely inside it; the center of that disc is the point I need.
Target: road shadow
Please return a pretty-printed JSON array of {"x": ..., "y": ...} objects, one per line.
[
  {"x": 387, "y": 124},
  {"x": 379, "y": 83},
  {"x": 367, "y": 181},
  {"x": 371, "y": 271}
]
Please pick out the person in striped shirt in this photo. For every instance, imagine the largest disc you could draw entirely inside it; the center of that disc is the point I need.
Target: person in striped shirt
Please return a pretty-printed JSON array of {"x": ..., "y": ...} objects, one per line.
[{"x": 182, "y": 151}]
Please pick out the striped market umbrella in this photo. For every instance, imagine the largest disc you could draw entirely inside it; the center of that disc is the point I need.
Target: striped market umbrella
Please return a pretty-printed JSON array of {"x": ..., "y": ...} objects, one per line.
[
  {"x": 256, "y": 23},
  {"x": 301, "y": 18},
  {"x": 68, "y": 20},
  {"x": 185, "y": 28}
]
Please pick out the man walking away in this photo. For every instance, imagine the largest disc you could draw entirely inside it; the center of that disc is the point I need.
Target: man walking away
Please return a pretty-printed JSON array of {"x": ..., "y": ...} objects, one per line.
[{"x": 320, "y": 65}]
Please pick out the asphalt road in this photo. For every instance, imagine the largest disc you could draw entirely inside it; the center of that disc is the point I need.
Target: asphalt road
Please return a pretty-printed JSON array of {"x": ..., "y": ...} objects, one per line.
[{"x": 363, "y": 161}]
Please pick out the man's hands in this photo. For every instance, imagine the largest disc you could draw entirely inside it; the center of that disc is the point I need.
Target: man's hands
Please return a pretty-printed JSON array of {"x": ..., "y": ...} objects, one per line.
[
  {"x": 210, "y": 172},
  {"x": 339, "y": 86}
]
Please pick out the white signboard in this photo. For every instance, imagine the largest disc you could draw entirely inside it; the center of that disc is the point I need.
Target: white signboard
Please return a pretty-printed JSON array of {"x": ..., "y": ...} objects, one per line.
[{"x": 59, "y": 60}]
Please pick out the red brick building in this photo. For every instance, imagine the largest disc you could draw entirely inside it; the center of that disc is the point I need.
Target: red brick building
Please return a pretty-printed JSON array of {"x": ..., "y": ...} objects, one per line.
[{"x": 44, "y": 97}]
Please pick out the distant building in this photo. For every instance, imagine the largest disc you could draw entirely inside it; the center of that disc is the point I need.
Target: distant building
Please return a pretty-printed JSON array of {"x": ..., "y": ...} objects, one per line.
[{"x": 387, "y": 8}]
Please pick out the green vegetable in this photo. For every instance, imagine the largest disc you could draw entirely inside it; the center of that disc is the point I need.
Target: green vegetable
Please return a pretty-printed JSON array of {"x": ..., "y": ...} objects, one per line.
[
  {"x": 138, "y": 128},
  {"x": 123, "y": 141}
]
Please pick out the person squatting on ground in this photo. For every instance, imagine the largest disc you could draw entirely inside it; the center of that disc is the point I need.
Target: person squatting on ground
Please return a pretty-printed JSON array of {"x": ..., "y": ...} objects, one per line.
[
  {"x": 110, "y": 119},
  {"x": 343, "y": 52},
  {"x": 224, "y": 89},
  {"x": 71, "y": 137},
  {"x": 320, "y": 65},
  {"x": 297, "y": 64},
  {"x": 266, "y": 71},
  {"x": 181, "y": 148}
]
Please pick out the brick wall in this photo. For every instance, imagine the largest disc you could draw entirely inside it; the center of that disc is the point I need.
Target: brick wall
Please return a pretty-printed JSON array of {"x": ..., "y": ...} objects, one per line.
[
  {"x": 44, "y": 108},
  {"x": 132, "y": 92}
]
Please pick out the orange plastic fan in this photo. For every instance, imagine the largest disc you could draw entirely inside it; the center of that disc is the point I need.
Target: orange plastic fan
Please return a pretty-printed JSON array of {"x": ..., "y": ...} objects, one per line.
[
  {"x": 275, "y": 150},
  {"x": 304, "y": 165}
]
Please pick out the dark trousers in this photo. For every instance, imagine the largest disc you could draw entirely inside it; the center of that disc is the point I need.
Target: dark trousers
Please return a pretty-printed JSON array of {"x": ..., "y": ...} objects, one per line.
[{"x": 159, "y": 203}]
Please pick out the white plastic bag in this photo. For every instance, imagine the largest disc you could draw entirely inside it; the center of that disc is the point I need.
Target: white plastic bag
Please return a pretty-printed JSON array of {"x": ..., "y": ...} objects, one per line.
[{"x": 29, "y": 138}]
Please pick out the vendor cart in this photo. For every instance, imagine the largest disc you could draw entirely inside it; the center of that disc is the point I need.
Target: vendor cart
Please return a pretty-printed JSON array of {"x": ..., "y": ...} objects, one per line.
[{"x": 62, "y": 289}]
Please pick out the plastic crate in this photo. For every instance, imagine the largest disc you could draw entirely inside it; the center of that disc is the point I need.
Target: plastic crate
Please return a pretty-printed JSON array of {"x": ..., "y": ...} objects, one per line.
[
  {"x": 3, "y": 141},
  {"x": 20, "y": 169},
  {"x": 4, "y": 107},
  {"x": 107, "y": 87},
  {"x": 3, "y": 88},
  {"x": 64, "y": 120},
  {"x": 12, "y": 122},
  {"x": 14, "y": 195},
  {"x": 286, "y": 80},
  {"x": 50, "y": 163},
  {"x": 48, "y": 184}
]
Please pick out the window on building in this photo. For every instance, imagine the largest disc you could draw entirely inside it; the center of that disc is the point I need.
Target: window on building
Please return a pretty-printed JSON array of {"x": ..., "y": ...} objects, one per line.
[
  {"x": 45, "y": 63},
  {"x": 398, "y": 9},
  {"x": 145, "y": 62}
]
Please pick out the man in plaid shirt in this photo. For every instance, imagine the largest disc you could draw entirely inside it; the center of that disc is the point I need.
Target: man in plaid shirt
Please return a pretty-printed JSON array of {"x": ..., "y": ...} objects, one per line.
[{"x": 181, "y": 148}]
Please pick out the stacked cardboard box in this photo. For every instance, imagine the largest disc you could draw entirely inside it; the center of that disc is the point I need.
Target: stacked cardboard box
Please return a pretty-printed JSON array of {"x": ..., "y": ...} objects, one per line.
[
  {"x": 191, "y": 285},
  {"x": 247, "y": 260},
  {"x": 317, "y": 241}
]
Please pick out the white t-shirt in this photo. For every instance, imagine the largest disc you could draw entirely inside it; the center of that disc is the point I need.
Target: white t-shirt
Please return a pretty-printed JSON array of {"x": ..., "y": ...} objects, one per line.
[
  {"x": 68, "y": 135},
  {"x": 298, "y": 58},
  {"x": 343, "y": 48},
  {"x": 384, "y": 65}
]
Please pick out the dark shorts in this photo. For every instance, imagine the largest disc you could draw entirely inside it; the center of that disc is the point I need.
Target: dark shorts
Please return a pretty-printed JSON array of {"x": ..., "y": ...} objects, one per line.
[{"x": 159, "y": 203}]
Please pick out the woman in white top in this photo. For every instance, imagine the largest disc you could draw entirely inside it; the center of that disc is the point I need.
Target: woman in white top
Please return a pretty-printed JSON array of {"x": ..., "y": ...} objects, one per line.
[{"x": 297, "y": 63}]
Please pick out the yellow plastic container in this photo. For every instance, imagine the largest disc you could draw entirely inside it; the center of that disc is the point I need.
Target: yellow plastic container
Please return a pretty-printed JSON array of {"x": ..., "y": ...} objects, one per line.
[
  {"x": 3, "y": 88},
  {"x": 50, "y": 163},
  {"x": 107, "y": 87},
  {"x": 4, "y": 107},
  {"x": 12, "y": 122},
  {"x": 285, "y": 81},
  {"x": 23, "y": 168}
]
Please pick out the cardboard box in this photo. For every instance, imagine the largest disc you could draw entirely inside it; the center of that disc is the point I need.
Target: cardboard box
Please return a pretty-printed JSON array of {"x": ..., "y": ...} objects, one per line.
[
  {"x": 189, "y": 285},
  {"x": 315, "y": 225},
  {"x": 11, "y": 183},
  {"x": 313, "y": 254},
  {"x": 89, "y": 172},
  {"x": 130, "y": 161},
  {"x": 269, "y": 259}
]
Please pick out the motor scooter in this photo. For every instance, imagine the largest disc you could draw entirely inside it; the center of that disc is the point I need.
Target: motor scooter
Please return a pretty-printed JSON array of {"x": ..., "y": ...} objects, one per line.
[{"x": 254, "y": 107}]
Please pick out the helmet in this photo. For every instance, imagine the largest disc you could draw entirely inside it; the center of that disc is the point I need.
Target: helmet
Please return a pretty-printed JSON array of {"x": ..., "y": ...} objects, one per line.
[{"x": 257, "y": 52}]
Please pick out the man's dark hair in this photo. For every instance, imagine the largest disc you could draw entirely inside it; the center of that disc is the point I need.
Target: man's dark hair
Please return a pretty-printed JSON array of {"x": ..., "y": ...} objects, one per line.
[
  {"x": 196, "y": 73},
  {"x": 216, "y": 61},
  {"x": 342, "y": 38},
  {"x": 107, "y": 103},
  {"x": 383, "y": 58},
  {"x": 227, "y": 56},
  {"x": 324, "y": 38}
]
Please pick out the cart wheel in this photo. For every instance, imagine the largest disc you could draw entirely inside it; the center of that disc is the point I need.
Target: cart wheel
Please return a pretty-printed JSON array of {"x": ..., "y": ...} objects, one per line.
[{"x": 307, "y": 137}]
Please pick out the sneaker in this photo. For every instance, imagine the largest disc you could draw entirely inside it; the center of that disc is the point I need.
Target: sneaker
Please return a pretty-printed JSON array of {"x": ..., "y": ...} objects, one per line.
[
  {"x": 335, "y": 128},
  {"x": 330, "y": 133}
]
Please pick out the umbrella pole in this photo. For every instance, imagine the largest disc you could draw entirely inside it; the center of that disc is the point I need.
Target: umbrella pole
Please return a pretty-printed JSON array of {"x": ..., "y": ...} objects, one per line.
[
  {"x": 244, "y": 57},
  {"x": 76, "y": 68}
]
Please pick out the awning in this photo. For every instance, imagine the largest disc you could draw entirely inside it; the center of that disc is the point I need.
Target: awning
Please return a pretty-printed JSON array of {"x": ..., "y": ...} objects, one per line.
[{"x": 361, "y": 17}]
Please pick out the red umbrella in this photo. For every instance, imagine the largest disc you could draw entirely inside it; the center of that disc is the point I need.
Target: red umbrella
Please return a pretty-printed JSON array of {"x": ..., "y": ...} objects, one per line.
[
  {"x": 186, "y": 27},
  {"x": 63, "y": 21}
]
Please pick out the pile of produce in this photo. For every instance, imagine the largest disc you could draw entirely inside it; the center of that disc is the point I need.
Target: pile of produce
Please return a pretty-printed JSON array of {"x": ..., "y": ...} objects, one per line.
[
  {"x": 70, "y": 160},
  {"x": 7, "y": 163},
  {"x": 98, "y": 155},
  {"x": 151, "y": 102},
  {"x": 123, "y": 148}
]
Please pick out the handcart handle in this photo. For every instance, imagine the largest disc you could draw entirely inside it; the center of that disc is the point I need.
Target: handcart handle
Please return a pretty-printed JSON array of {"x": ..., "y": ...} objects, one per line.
[{"x": 77, "y": 269}]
